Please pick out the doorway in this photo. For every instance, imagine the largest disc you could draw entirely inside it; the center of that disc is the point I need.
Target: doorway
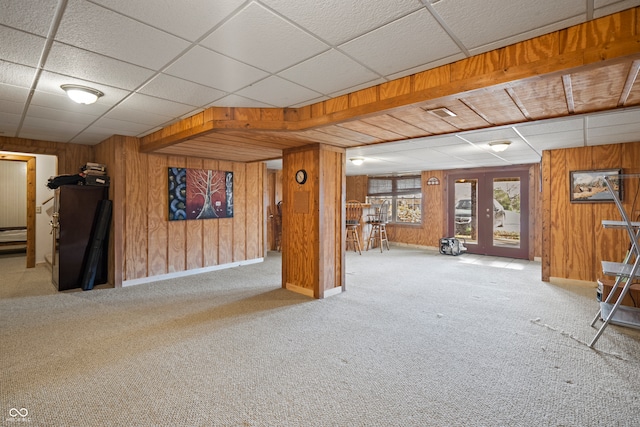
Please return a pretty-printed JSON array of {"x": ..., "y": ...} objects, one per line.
[
  {"x": 31, "y": 204},
  {"x": 489, "y": 210}
]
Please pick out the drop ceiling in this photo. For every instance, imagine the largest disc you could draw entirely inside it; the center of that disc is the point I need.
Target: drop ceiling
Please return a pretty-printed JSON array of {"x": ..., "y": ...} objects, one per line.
[{"x": 160, "y": 61}]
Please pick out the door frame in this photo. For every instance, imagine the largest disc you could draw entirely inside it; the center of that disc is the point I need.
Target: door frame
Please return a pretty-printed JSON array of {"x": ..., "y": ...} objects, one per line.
[
  {"x": 484, "y": 174},
  {"x": 31, "y": 204}
]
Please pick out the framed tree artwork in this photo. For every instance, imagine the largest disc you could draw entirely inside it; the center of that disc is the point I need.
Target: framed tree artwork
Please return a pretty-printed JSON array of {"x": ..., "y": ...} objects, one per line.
[{"x": 200, "y": 194}]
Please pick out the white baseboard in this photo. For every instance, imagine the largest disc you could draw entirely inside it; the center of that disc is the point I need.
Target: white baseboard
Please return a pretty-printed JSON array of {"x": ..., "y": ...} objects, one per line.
[{"x": 177, "y": 274}]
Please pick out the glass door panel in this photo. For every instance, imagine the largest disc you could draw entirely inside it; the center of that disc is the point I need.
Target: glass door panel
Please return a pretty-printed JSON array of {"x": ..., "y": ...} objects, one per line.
[
  {"x": 506, "y": 212},
  {"x": 466, "y": 209}
]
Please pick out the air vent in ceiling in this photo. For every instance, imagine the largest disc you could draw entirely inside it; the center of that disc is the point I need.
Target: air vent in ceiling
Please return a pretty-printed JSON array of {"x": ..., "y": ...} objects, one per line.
[{"x": 443, "y": 113}]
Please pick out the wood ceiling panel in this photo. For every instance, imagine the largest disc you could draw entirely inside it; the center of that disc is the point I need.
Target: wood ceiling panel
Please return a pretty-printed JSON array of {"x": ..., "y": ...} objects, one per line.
[
  {"x": 222, "y": 151},
  {"x": 282, "y": 139},
  {"x": 390, "y": 123},
  {"x": 600, "y": 88},
  {"x": 634, "y": 95},
  {"x": 356, "y": 137},
  {"x": 240, "y": 140},
  {"x": 496, "y": 107},
  {"x": 375, "y": 131},
  {"x": 421, "y": 119},
  {"x": 542, "y": 98},
  {"x": 326, "y": 138}
]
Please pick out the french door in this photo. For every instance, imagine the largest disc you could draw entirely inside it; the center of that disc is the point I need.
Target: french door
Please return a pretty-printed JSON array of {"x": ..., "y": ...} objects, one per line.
[{"x": 490, "y": 211}]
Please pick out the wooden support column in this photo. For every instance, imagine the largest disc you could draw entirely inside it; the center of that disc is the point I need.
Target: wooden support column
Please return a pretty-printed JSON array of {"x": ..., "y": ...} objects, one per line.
[{"x": 313, "y": 220}]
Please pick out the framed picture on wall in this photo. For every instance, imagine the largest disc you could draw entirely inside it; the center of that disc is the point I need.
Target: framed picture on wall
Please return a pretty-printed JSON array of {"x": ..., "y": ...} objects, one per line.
[
  {"x": 200, "y": 194},
  {"x": 588, "y": 186}
]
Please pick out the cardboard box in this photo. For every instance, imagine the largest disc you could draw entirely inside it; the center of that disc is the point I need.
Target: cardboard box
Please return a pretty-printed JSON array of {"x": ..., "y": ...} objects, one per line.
[{"x": 632, "y": 299}]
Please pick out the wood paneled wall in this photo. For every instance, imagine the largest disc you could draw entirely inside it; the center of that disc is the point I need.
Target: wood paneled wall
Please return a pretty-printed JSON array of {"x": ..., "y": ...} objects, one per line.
[
  {"x": 147, "y": 244},
  {"x": 357, "y": 188},
  {"x": 70, "y": 156},
  {"x": 574, "y": 241}
]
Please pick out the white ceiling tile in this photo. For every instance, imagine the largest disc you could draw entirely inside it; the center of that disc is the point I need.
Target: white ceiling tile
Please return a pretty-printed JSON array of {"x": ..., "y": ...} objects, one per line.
[
  {"x": 329, "y": 72},
  {"x": 117, "y": 127},
  {"x": 550, "y": 127},
  {"x": 211, "y": 69},
  {"x": 538, "y": 31},
  {"x": 149, "y": 104},
  {"x": 568, "y": 139},
  {"x": 427, "y": 66},
  {"x": 55, "y": 135},
  {"x": 110, "y": 34},
  {"x": 13, "y": 93},
  {"x": 618, "y": 137},
  {"x": 278, "y": 92},
  {"x": 92, "y": 67},
  {"x": 60, "y": 128},
  {"x": 22, "y": 15},
  {"x": 263, "y": 39},
  {"x": 342, "y": 20},
  {"x": 238, "y": 101},
  {"x": 484, "y": 136},
  {"x": 80, "y": 119},
  {"x": 459, "y": 149},
  {"x": 9, "y": 107},
  {"x": 190, "y": 22},
  {"x": 9, "y": 123},
  {"x": 411, "y": 41},
  {"x": 179, "y": 90},
  {"x": 357, "y": 88},
  {"x": 149, "y": 120},
  {"x": 607, "y": 7},
  {"x": 480, "y": 23},
  {"x": 631, "y": 116},
  {"x": 20, "y": 47},
  {"x": 16, "y": 75}
]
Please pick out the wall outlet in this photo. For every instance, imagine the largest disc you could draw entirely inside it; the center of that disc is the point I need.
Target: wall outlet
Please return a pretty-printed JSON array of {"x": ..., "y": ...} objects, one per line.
[{"x": 38, "y": 209}]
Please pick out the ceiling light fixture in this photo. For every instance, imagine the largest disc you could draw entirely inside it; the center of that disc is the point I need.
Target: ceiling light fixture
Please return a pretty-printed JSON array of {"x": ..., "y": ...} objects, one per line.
[
  {"x": 82, "y": 94},
  {"x": 499, "y": 146},
  {"x": 357, "y": 161}
]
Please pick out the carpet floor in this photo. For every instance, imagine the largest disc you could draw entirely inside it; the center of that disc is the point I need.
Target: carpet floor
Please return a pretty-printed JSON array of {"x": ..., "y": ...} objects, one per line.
[{"x": 417, "y": 339}]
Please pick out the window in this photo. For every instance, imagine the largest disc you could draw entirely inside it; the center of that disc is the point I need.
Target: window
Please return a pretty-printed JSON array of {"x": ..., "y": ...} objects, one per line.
[{"x": 404, "y": 194}]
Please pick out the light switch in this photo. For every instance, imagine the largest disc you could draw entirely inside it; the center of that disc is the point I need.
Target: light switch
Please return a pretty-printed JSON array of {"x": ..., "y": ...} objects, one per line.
[{"x": 38, "y": 209}]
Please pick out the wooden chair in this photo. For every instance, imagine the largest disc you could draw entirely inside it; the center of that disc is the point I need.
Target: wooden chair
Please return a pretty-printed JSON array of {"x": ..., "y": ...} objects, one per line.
[
  {"x": 352, "y": 220},
  {"x": 277, "y": 226},
  {"x": 378, "y": 223}
]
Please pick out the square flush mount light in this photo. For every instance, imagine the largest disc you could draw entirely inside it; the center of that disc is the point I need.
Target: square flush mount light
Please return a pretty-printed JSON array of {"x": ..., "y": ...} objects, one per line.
[{"x": 82, "y": 94}]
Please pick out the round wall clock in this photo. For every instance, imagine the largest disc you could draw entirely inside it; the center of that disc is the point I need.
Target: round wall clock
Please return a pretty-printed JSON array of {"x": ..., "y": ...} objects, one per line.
[{"x": 301, "y": 176}]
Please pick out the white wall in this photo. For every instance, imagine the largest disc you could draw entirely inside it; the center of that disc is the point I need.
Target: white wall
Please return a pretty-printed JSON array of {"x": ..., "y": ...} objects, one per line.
[
  {"x": 13, "y": 193},
  {"x": 46, "y": 166}
]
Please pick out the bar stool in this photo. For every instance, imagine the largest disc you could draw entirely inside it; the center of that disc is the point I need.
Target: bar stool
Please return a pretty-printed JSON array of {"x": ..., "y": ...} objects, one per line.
[
  {"x": 352, "y": 220},
  {"x": 378, "y": 223}
]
